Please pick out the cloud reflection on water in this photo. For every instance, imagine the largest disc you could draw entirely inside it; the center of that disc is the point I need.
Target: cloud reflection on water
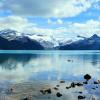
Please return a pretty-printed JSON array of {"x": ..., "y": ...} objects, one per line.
[{"x": 23, "y": 67}]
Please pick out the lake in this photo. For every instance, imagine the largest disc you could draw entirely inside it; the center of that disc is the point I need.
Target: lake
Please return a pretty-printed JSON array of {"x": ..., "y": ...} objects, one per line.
[{"x": 23, "y": 66}]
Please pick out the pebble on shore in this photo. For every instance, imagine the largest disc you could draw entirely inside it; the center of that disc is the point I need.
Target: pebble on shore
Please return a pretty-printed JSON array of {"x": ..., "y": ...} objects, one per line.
[
  {"x": 87, "y": 77},
  {"x": 81, "y": 97},
  {"x": 55, "y": 88},
  {"x": 46, "y": 91},
  {"x": 59, "y": 94},
  {"x": 62, "y": 81},
  {"x": 73, "y": 85}
]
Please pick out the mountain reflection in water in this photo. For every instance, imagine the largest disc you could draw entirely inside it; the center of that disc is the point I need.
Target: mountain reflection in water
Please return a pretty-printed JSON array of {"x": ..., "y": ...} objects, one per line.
[
  {"x": 10, "y": 61},
  {"x": 48, "y": 65}
]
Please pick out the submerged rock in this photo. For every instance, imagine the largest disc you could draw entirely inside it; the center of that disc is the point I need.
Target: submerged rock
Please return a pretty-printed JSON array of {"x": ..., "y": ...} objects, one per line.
[
  {"x": 85, "y": 82},
  {"x": 80, "y": 92},
  {"x": 57, "y": 85},
  {"x": 73, "y": 84},
  {"x": 25, "y": 98},
  {"x": 98, "y": 81},
  {"x": 43, "y": 92},
  {"x": 96, "y": 86},
  {"x": 10, "y": 91},
  {"x": 46, "y": 91},
  {"x": 69, "y": 60},
  {"x": 93, "y": 88},
  {"x": 68, "y": 87},
  {"x": 59, "y": 94},
  {"x": 55, "y": 88},
  {"x": 93, "y": 98},
  {"x": 79, "y": 84},
  {"x": 81, "y": 97},
  {"x": 62, "y": 81},
  {"x": 95, "y": 82},
  {"x": 87, "y": 77}
]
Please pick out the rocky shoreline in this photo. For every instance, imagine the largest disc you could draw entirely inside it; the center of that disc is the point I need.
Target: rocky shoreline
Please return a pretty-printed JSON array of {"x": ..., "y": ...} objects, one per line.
[{"x": 54, "y": 90}]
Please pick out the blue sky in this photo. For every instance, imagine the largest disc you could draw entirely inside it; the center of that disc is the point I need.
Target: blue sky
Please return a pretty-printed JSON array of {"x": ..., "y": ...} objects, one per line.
[{"x": 60, "y": 18}]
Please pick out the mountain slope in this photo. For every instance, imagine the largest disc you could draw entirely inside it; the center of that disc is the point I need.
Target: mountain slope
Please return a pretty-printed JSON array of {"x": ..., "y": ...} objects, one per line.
[
  {"x": 9, "y": 34},
  {"x": 48, "y": 42},
  {"x": 92, "y": 43},
  {"x": 14, "y": 40},
  {"x": 24, "y": 43}
]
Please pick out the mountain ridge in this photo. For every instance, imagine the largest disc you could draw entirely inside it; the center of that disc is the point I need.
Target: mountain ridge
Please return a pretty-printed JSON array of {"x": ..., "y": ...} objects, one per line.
[
  {"x": 91, "y": 43},
  {"x": 14, "y": 40},
  {"x": 19, "y": 44}
]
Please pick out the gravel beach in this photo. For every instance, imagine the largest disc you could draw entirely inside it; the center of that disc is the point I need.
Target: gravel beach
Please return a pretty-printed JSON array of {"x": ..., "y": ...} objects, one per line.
[{"x": 52, "y": 90}]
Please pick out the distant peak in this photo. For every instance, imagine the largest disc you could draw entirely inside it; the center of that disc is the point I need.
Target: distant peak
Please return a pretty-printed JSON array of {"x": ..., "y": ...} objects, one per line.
[
  {"x": 9, "y": 34},
  {"x": 95, "y": 36},
  {"x": 7, "y": 31}
]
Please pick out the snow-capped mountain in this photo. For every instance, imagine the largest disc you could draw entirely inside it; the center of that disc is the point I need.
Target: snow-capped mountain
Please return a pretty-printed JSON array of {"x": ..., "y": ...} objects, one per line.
[
  {"x": 48, "y": 42},
  {"x": 11, "y": 39},
  {"x": 91, "y": 43},
  {"x": 9, "y": 34}
]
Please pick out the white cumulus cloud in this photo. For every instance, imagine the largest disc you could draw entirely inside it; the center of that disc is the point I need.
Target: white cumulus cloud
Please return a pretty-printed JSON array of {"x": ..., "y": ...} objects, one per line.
[
  {"x": 22, "y": 24},
  {"x": 56, "y": 22},
  {"x": 15, "y": 23},
  {"x": 47, "y": 8}
]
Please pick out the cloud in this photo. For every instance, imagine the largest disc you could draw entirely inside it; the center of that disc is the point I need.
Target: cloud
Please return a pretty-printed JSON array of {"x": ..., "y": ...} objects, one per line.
[
  {"x": 1, "y": 3},
  {"x": 50, "y": 21},
  {"x": 70, "y": 30},
  {"x": 86, "y": 29},
  {"x": 97, "y": 5},
  {"x": 16, "y": 23},
  {"x": 22, "y": 24},
  {"x": 57, "y": 22},
  {"x": 47, "y": 8},
  {"x": 99, "y": 18}
]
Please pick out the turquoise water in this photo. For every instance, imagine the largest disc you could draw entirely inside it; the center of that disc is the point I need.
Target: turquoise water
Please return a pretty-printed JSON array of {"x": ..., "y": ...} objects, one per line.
[{"x": 21, "y": 66}]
